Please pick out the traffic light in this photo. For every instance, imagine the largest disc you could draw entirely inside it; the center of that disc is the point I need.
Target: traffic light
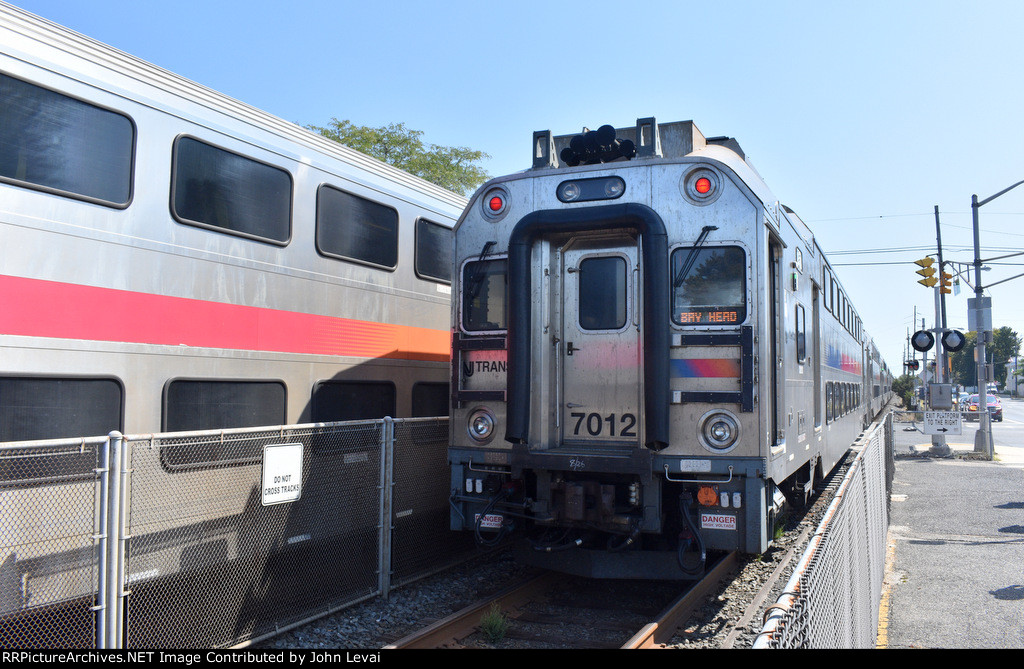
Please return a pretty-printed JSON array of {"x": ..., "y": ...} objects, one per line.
[
  {"x": 945, "y": 282},
  {"x": 927, "y": 271}
]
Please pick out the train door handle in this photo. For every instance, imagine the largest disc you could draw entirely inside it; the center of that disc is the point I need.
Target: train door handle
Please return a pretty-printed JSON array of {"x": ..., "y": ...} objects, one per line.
[{"x": 570, "y": 349}]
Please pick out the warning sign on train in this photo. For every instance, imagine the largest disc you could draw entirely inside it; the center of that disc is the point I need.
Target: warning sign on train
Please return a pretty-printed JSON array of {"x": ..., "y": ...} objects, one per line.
[
  {"x": 942, "y": 422},
  {"x": 282, "y": 473}
]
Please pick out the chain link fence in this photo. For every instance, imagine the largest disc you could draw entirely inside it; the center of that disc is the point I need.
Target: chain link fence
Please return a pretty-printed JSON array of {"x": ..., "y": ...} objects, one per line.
[
  {"x": 215, "y": 539},
  {"x": 832, "y": 599},
  {"x": 49, "y": 542}
]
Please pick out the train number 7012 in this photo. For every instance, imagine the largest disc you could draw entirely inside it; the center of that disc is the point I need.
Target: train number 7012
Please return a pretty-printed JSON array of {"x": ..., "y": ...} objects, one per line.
[{"x": 597, "y": 426}]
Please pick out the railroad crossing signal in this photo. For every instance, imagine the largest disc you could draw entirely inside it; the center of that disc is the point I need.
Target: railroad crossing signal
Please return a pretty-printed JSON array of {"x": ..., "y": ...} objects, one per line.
[
  {"x": 953, "y": 341},
  {"x": 927, "y": 271},
  {"x": 922, "y": 340}
]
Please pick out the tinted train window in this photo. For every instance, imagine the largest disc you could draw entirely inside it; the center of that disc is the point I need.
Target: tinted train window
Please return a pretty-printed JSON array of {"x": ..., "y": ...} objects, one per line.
[
  {"x": 352, "y": 400},
  {"x": 53, "y": 142},
  {"x": 55, "y": 408},
  {"x": 602, "y": 294},
  {"x": 485, "y": 295},
  {"x": 429, "y": 400},
  {"x": 354, "y": 228},
  {"x": 801, "y": 334},
  {"x": 230, "y": 193},
  {"x": 709, "y": 286},
  {"x": 222, "y": 405},
  {"x": 433, "y": 251}
]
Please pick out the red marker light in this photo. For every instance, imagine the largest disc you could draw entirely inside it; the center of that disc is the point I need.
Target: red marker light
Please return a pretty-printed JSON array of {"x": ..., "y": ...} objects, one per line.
[
  {"x": 702, "y": 185},
  {"x": 496, "y": 203}
]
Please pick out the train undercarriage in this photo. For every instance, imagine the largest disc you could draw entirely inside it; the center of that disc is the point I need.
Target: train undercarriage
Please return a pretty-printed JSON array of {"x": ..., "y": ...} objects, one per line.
[{"x": 626, "y": 522}]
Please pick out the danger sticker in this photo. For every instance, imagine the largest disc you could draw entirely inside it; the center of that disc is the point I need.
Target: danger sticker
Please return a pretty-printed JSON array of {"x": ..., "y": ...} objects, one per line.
[
  {"x": 717, "y": 521},
  {"x": 490, "y": 522}
]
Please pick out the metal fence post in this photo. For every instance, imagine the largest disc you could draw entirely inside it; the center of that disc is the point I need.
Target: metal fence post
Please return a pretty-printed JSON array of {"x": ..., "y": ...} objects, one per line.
[
  {"x": 119, "y": 547},
  {"x": 111, "y": 567},
  {"x": 103, "y": 537},
  {"x": 387, "y": 501}
]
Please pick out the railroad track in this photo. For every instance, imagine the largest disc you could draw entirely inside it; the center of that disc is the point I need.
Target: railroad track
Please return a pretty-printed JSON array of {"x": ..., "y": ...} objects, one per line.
[
  {"x": 546, "y": 611},
  {"x": 729, "y": 616}
]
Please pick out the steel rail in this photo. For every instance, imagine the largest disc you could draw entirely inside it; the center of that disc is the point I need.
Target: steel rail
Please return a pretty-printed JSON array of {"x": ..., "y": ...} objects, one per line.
[
  {"x": 450, "y": 631},
  {"x": 658, "y": 633}
]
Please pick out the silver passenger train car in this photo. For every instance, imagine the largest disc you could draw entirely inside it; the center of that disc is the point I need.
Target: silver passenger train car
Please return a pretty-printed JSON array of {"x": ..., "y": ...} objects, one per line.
[
  {"x": 173, "y": 259},
  {"x": 649, "y": 354}
]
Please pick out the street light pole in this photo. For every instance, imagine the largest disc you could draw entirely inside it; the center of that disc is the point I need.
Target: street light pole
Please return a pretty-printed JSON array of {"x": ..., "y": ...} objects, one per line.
[{"x": 983, "y": 438}]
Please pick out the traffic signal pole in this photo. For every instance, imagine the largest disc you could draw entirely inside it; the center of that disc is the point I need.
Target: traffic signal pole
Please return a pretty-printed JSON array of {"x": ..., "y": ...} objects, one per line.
[
  {"x": 939, "y": 389},
  {"x": 943, "y": 285},
  {"x": 939, "y": 446}
]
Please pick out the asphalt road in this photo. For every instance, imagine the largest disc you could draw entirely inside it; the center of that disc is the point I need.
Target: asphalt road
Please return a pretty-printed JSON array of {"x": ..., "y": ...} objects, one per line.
[{"x": 955, "y": 572}]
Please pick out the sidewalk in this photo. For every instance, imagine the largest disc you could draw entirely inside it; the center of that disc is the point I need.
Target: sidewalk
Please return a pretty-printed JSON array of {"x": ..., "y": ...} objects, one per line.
[{"x": 955, "y": 564}]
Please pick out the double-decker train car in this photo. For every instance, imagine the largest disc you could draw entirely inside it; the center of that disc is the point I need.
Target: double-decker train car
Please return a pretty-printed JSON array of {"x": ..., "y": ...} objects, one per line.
[
  {"x": 174, "y": 259},
  {"x": 649, "y": 354}
]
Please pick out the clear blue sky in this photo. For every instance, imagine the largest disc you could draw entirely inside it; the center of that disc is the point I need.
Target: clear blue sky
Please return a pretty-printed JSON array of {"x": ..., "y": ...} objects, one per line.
[{"x": 861, "y": 116}]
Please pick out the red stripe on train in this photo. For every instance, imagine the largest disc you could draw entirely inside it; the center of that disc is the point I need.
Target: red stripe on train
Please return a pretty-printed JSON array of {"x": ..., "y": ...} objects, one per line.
[{"x": 36, "y": 308}]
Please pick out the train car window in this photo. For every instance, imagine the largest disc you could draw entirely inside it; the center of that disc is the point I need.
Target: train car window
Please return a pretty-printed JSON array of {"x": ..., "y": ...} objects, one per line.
[
  {"x": 221, "y": 405},
  {"x": 350, "y": 227},
  {"x": 433, "y": 251},
  {"x": 224, "y": 191},
  {"x": 712, "y": 291},
  {"x": 829, "y": 402},
  {"x": 55, "y": 408},
  {"x": 602, "y": 293},
  {"x": 801, "y": 334},
  {"x": 56, "y": 143},
  {"x": 485, "y": 295},
  {"x": 429, "y": 400},
  {"x": 352, "y": 400},
  {"x": 824, "y": 286}
]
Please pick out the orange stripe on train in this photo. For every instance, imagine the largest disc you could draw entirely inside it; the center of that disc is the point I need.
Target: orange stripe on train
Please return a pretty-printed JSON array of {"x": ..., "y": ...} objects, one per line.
[{"x": 36, "y": 308}]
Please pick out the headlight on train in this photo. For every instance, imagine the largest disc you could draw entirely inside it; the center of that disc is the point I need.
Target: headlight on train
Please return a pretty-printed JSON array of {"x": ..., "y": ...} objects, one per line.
[
  {"x": 589, "y": 190},
  {"x": 481, "y": 426},
  {"x": 718, "y": 431}
]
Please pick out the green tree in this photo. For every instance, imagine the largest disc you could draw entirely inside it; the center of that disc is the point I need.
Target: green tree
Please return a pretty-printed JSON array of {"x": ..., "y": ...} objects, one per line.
[
  {"x": 903, "y": 386},
  {"x": 451, "y": 167},
  {"x": 965, "y": 373},
  {"x": 1005, "y": 345}
]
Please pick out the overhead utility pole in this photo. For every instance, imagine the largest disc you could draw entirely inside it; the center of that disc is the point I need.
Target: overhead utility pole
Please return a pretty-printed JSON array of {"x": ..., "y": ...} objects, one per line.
[{"x": 982, "y": 317}]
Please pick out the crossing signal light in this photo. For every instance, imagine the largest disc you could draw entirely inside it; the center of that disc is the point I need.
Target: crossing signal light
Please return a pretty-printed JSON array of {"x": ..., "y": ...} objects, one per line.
[{"x": 953, "y": 340}]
